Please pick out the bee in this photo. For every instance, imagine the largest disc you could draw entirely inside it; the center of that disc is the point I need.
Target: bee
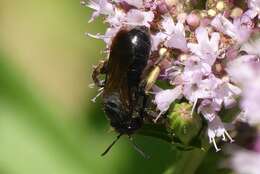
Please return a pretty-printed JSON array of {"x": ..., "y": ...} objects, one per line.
[{"x": 124, "y": 95}]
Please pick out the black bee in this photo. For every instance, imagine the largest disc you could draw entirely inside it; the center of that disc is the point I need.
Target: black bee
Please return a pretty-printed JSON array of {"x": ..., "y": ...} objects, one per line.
[{"x": 124, "y": 88}]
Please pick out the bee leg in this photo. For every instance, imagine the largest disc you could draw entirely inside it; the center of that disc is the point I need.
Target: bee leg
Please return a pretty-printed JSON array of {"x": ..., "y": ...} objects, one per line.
[
  {"x": 149, "y": 81},
  {"x": 99, "y": 69},
  {"x": 144, "y": 91},
  {"x": 154, "y": 72}
]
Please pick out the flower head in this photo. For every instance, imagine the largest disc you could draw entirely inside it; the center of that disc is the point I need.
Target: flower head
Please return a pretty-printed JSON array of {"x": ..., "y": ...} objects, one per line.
[{"x": 208, "y": 62}]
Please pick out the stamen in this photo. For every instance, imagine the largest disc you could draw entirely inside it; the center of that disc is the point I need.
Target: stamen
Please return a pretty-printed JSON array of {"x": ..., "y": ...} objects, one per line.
[
  {"x": 215, "y": 145},
  {"x": 224, "y": 137},
  {"x": 101, "y": 89},
  {"x": 156, "y": 119},
  {"x": 229, "y": 137},
  {"x": 193, "y": 107},
  {"x": 97, "y": 36}
]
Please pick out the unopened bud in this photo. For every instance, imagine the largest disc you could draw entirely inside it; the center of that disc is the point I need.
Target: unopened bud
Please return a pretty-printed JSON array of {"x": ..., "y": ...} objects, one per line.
[
  {"x": 221, "y": 5},
  {"x": 236, "y": 12},
  {"x": 184, "y": 125},
  {"x": 193, "y": 20}
]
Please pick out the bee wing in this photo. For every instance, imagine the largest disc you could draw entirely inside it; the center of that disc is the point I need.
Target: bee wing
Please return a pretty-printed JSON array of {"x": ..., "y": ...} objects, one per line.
[{"x": 120, "y": 59}]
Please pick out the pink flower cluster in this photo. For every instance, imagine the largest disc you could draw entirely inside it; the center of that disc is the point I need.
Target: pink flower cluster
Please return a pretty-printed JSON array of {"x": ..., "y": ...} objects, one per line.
[{"x": 212, "y": 66}]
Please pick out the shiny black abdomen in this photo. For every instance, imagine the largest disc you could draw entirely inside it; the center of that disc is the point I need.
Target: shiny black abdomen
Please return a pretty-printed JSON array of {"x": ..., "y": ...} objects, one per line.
[
  {"x": 128, "y": 57},
  {"x": 141, "y": 46}
]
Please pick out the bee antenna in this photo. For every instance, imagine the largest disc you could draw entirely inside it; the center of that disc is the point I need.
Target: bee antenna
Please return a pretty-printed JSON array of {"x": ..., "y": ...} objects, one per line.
[
  {"x": 138, "y": 149},
  {"x": 111, "y": 145}
]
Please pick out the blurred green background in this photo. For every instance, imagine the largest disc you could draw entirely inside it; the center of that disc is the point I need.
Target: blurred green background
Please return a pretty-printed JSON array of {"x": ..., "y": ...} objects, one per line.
[{"x": 47, "y": 122}]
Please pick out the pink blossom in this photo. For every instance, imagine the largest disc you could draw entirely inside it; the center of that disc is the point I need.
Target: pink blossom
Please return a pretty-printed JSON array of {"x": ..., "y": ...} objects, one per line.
[
  {"x": 206, "y": 48},
  {"x": 226, "y": 93},
  {"x": 201, "y": 89},
  {"x": 215, "y": 126},
  {"x": 193, "y": 20},
  {"x": 107, "y": 37},
  {"x": 165, "y": 98},
  {"x": 157, "y": 39},
  {"x": 162, "y": 7},
  {"x": 101, "y": 7},
  {"x": 194, "y": 86},
  {"x": 194, "y": 69},
  {"x": 239, "y": 30},
  {"x": 208, "y": 109},
  {"x": 254, "y": 8},
  {"x": 248, "y": 77},
  {"x": 245, "y": 73},
  {"x": 217, "y": 129},
  {"x": 231, "y": 53},
  {"x": 117, "y": 19},
  {"x": 175, "y": 34},
  {"x": 251, "y": 101},
  {"x": 137, "y": 17}
]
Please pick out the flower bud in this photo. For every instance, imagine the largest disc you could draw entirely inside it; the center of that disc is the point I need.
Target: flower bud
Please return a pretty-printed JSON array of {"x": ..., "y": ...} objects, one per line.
[
  {"x": 182, "y": 124},
  {"x": 220, "y": 5}
]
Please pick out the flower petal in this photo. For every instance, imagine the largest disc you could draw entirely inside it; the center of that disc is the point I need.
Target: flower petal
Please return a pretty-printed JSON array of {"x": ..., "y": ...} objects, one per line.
[{"x": 164, "y": 98}]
